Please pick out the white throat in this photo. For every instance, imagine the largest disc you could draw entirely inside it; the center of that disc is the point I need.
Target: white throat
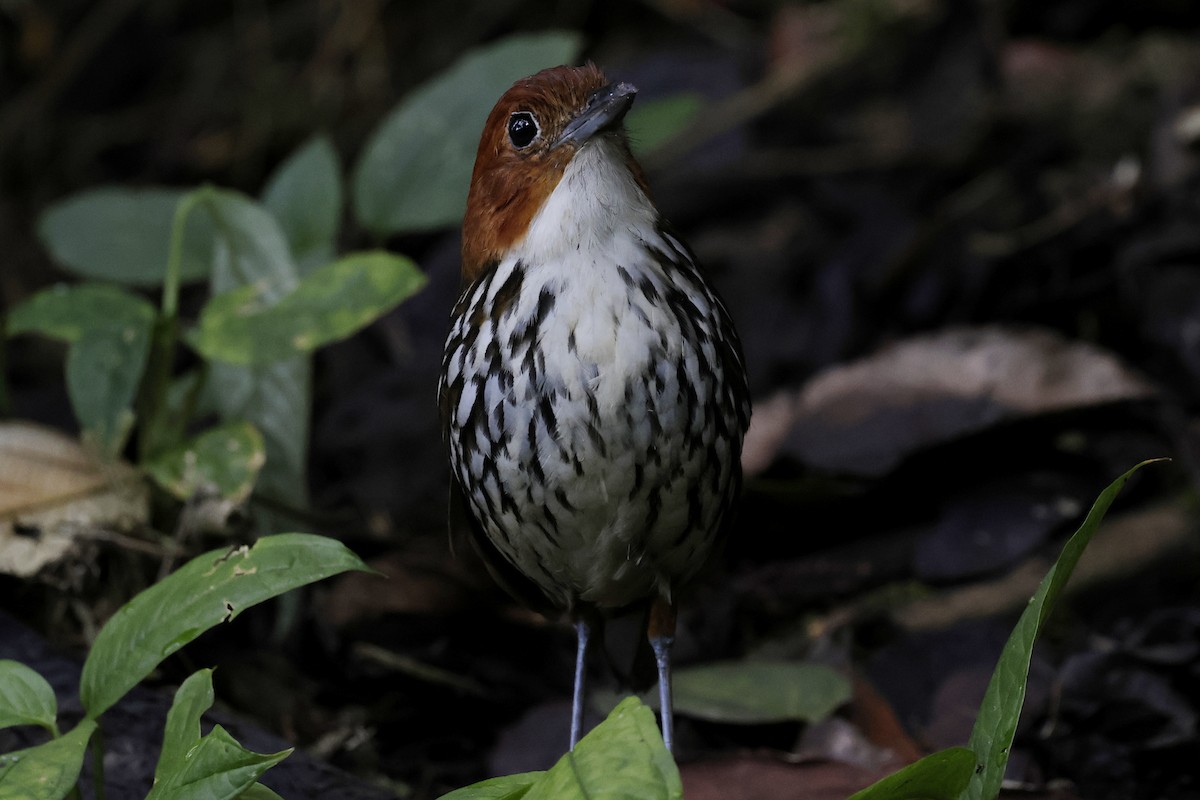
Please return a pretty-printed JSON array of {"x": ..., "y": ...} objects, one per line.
[{"x": 596, "y": 200}]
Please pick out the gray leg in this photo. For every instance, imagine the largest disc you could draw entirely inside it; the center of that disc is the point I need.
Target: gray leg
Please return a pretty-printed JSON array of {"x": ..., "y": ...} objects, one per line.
[
  {"x": 662, "y": 636},
  {"x": 662, "y": 657},
  {"x": 581, "y": 632}
]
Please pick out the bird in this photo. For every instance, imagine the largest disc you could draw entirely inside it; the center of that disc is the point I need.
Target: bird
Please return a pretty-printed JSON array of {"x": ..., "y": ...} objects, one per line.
[{"x": 593, "y": 392}]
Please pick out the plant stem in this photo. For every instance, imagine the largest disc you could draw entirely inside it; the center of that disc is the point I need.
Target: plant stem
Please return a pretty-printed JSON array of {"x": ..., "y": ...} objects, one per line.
[
  {"x": 154, "y": 426},
  {"x": 170, "y": 297},
  {"x": 156, "y": 430},
  {"x": 97, "y": 745}
]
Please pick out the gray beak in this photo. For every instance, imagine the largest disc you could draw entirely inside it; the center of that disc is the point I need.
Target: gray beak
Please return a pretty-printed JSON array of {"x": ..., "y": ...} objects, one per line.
[{"x": 606, "y": 108}]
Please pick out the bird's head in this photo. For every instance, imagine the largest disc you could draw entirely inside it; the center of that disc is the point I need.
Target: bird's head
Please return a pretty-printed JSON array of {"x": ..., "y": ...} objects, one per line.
[{"x": 531, "y": 137}]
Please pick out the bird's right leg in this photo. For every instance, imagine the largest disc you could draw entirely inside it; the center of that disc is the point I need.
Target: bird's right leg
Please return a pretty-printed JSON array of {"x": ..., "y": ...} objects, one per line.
[
  {"x": 662, "y": 636},
  {"x": 582, "y": 631}
]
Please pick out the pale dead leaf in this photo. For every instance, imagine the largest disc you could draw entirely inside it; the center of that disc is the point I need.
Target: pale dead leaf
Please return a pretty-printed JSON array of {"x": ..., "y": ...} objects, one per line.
[
  {"x": 864, "y": 417},
  {"x": 769, "y": 427},
  {"x": 52, "y": 492}
]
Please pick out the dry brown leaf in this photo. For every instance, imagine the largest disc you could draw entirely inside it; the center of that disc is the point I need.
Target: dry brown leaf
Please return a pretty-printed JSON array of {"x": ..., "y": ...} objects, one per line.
[
  {"x": 416, "y": 583},
  {"x": 876, "y": 718},
  {"x": 1125, "y": 544},
  {"x": 864, "y": 417},
  {"x": 52, "y": 493},
  {"x": 748, "y": 777}
]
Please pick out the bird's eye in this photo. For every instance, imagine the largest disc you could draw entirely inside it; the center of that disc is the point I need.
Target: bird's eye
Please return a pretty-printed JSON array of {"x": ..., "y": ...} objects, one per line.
[{"x": 522, "y": 129}]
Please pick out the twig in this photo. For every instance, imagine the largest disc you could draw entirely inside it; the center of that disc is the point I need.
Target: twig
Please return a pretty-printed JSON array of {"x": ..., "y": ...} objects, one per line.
[
  {"x": 772, "y": 91},
  {"x": 417, "y": 669}
]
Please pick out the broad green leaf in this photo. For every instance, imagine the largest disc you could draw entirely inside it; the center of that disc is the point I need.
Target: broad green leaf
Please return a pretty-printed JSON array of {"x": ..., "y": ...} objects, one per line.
[
  {"x": 208, "y": 590},
  {"x": 305, "y": 195},
  {"x": 258, "y": 792},
  {"x": 753, "y": 692},
  {"x": 25, "y": 697},
  {"x": 275, "y": 398},
  {"x": 215, "y": 768},
  {"x": 996, "y": 724},
  {"x": 193, "y": 697},
  {"x": 416, "y": 167},
  {"x": 72, "y": 312},
  {"x": 109, "y": 332},
  {"x": 509, "y": 787},
  {"x": 623, "y": 757},
  {"x": 103, "y": 372},
  {"x": 330, "y": 304},
  {"x": 226, "y": 459},
  {"x": 650, "y": 124},
  {"x": 937, "y": 776},
  {"x": 47, "y": 771},
  {"x": 249, "y": 246},
  {"x": 123, "y": 235}
]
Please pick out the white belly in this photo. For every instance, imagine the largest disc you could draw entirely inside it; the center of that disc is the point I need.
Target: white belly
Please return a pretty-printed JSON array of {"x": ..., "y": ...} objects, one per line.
[{"x": 589, "y": 425}]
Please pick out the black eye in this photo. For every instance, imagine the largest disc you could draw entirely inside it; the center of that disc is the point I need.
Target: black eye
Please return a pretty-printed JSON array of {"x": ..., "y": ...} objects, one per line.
[{"x": 522, "y": 129}]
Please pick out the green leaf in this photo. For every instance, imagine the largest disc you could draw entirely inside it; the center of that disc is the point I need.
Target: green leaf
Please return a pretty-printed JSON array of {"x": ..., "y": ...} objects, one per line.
[
  {"x": 651, "y": 124},
  {"x": 25, "y": 697},
  {"x": 208, "y": 590},
  {"x": 215, "y": 768},
  {"x": 193, "y": 697},
  {"x": 109, "y": 331},
  {"x": 275, "y": 398},
  {"x": 305, "y": 195},
  {"x": 249, "y": 246},
  {"x": 47, "y": 771},
  {"x": 509, "y": 787},
  {"x": 416, "y": 167},
  {"x": 996, "y": 724},
  {"x": 103, "y": 372},
  {"x": 937, "y": 776},
  {"x": 330, "y": 304},
  {"x": 623, "y": 757},
  {"x": 226, "y": 459},
  {"x": 753, "y": 692},
  {"x": 258, "y": 792},
  {"x": 123, "y": 235},
  {"x": 72, "y": 312}
]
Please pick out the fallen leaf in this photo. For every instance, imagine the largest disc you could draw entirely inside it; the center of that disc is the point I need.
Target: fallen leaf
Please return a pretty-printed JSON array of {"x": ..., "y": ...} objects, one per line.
[
  {"x": 995, "y": 526},
  {"x": 417, "y": 583},
  {"x": 52, "y": 492},
  {"x": 749, "y": 777},
  {"x": 874, "y": 716},
  {"x": 865, "y": 417},
  {"x": 1124, "y": 545}
]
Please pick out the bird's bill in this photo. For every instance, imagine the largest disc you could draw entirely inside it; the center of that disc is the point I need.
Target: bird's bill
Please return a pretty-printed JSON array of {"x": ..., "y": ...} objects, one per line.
[{"x": 605, "y": 108}]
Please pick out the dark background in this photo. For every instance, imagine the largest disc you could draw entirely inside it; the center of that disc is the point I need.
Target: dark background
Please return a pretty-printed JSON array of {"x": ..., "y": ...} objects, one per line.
[{"x": 1002, "y": 198}]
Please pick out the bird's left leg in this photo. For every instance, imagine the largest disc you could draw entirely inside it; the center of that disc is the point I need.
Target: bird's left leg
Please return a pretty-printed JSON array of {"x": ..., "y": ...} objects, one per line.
[
  {"x": 582, "y": 631},
  {"x": 662, "y": 636}
]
